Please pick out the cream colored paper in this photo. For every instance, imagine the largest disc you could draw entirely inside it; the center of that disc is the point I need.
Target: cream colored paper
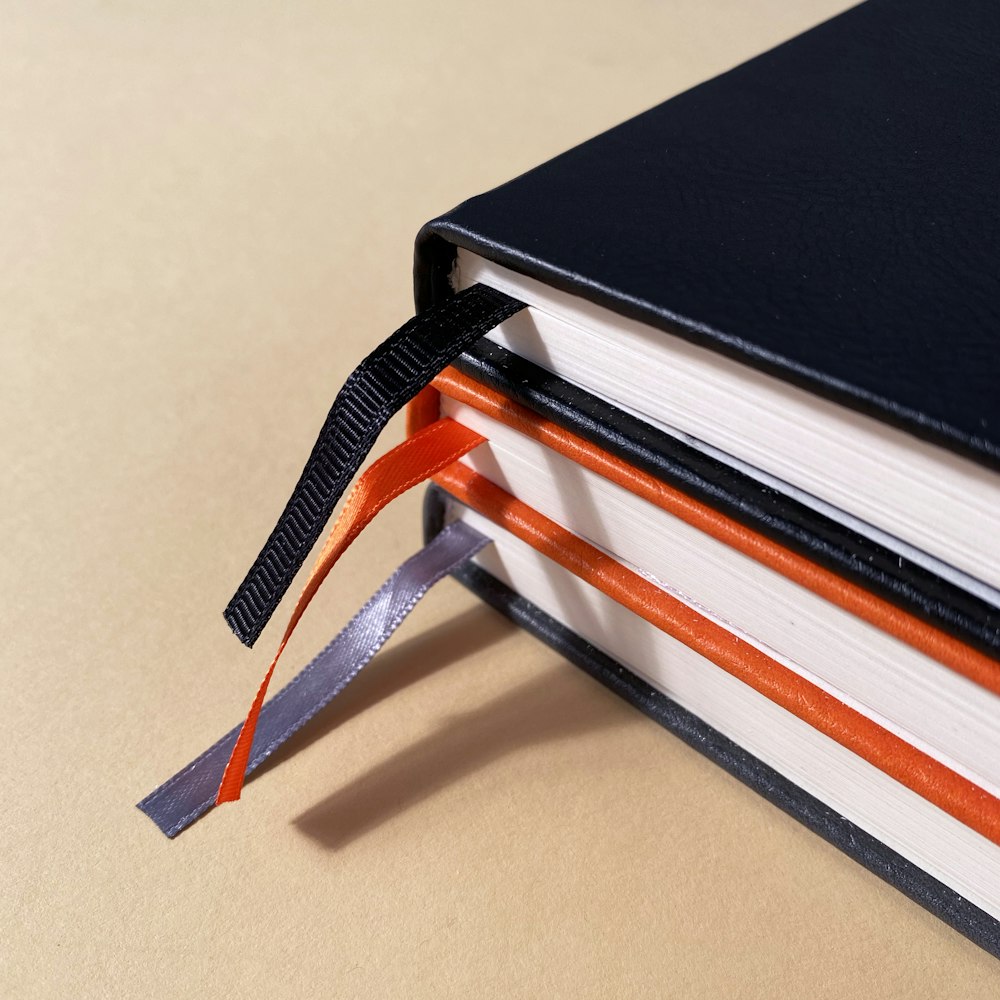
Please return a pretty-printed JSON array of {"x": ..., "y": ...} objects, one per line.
[{"x": 207, "y": 218}]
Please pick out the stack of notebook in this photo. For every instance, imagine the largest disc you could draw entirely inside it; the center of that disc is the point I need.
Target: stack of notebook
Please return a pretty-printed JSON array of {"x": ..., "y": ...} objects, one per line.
[
  {"x": 743, "y": 455},
  {"x": 734, "y": 434}
]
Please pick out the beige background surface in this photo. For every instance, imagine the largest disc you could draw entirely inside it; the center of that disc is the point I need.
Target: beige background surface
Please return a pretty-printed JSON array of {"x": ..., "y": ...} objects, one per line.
[{"x": 207, "y": 219}]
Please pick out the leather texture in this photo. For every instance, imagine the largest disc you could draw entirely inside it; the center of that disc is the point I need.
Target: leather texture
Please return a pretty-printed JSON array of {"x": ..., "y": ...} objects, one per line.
[
  {"x": 826, "y": 212},
  {"x": 823, "y": 541},
  {"x": 918, "y": 771},
  {"x": 933, "y": 895}
]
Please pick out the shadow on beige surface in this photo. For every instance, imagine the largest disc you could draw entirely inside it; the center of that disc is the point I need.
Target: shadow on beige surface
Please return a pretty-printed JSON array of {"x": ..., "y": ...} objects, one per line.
[
  {"x": 397, "y": 668},
  {"x": 534, "y": 712}
]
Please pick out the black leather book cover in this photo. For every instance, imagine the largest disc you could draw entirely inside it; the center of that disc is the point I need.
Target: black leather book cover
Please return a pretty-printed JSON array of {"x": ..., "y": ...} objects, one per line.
[{"x": 827, "y": 212}]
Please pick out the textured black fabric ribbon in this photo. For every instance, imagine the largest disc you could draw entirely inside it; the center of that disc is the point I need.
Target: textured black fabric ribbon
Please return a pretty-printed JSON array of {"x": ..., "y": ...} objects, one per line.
[{"x": 380, "y": 386}]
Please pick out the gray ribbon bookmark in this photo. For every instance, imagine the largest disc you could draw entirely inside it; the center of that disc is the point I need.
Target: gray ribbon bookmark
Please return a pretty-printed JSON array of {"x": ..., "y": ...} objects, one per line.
[{"x": 190, "y": 793}]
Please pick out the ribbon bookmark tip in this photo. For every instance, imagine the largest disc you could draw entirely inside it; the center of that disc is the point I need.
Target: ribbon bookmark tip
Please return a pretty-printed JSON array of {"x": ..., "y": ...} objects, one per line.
[
  {"x": 414, "y": 460},
  {"x": 193, "y": 791},
  {"x": 381, "y": 385}
]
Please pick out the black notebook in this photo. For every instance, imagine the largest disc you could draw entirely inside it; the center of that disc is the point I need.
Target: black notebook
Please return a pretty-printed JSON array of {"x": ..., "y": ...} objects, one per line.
[
  {"x": 818, "y": 232},
  {"x": 777, "y": 293},
  {"x": 728, "y": 413}
]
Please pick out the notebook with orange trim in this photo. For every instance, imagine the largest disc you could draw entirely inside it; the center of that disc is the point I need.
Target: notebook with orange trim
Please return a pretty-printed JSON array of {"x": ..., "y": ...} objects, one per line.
[
  {"x": 836, "y": 749},
  {"x": 744, "y": 441},
  {"x": 740, "y": 448}
]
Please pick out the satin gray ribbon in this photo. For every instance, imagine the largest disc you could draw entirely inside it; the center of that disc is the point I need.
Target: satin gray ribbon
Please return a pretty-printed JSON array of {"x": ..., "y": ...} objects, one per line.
[{"x": 190, "y": 793}]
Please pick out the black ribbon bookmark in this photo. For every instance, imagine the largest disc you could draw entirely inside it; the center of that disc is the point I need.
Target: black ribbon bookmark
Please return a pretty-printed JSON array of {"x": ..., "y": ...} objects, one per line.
[{"x": 382, "y": 384}]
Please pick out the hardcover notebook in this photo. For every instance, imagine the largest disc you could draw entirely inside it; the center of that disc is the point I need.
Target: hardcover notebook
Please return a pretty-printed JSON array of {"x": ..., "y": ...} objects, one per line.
[
  {"x": 739, "y": 456},
  {"x": 818, "y": 229},
  {"x": 779, "y": 294},
  {"x": 819, "y": 717}
]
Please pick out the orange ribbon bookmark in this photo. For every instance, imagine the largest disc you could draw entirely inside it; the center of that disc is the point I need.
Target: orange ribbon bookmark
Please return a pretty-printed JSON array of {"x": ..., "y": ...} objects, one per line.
[{"x": 408, "y": 464}]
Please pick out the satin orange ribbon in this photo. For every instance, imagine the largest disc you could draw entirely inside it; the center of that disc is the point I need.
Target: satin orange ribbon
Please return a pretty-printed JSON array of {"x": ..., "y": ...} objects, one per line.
[{"x": 418, "y": 458}]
